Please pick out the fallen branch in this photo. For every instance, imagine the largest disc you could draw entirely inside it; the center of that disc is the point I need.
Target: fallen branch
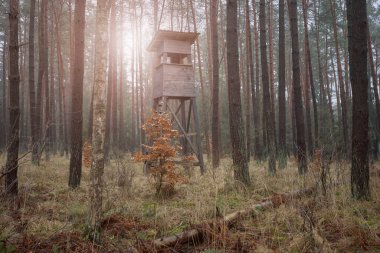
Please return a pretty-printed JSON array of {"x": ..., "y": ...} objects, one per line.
[{"x": 228, "y": 220}]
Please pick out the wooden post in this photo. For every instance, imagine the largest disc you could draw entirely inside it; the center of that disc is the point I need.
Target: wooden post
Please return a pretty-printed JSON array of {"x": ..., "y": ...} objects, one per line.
[{"x": 198, "y": 137}]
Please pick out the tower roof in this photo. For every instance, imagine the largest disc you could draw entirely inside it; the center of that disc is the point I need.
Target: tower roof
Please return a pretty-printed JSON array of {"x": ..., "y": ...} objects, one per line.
[{"x": 162, "y": 35}]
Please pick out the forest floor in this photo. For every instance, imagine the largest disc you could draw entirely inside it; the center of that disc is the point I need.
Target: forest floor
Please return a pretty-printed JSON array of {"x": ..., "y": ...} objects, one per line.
[{"x": 51, "y": 218}]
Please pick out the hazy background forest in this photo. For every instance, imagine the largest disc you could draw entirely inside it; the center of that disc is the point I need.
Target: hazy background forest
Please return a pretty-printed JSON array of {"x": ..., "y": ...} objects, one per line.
[{"x": 283, "y": 93}]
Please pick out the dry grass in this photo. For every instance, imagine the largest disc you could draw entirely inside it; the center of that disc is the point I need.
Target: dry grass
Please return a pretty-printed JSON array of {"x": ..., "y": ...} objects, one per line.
[{"x": 51, "y": 213}]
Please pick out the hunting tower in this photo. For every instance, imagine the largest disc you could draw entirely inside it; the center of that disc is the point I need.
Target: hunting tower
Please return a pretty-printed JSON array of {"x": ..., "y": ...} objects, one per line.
[{"x": 174, "y": 86}]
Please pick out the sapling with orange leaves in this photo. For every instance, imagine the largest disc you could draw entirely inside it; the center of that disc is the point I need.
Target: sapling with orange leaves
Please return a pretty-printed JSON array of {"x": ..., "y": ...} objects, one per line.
[{"x": 161, "y": 154}]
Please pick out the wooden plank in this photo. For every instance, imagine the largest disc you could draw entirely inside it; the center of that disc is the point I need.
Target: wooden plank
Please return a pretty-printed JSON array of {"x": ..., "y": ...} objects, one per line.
[
  {"x": 176, "y": 46},
  {"x": 173, "y": 80},
  {"x": 162, "y": 35},
  {"x": 188, "y": 134},
  {"x": 178, "y": 81},
  {"x": 158, "y": 82}
]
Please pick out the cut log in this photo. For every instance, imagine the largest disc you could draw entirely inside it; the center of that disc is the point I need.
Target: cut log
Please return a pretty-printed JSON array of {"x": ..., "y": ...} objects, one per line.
[{"x": 228, "y": 220}]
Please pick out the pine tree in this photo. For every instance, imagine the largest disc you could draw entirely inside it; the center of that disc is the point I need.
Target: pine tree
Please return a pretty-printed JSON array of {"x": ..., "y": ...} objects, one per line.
[
  {"x": 239, "y": 157},
  {"x": 99, "y": 108},
  {"x": 77, "y": 96},
  {"x": 215, "y": 84},
  {"x": 11, "y": 166},
  {"x": 357, "y": 47},
  {"x": 266, "y": 93},
  {"x": 297, "y": 93}
]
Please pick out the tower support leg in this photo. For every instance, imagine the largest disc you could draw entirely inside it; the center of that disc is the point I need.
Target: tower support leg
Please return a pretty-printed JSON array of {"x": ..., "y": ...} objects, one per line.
[{"x": 198, "y": 136}]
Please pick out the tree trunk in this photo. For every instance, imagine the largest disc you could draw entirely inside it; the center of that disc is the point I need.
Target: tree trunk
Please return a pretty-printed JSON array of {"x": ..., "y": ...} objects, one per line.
[
  {"x": 113, "y": 74},
  {"x": 357, "y": 47},
  {"x": 374, "y": 80},
  {"x": 99, "y": 106},
  {"x": 142, "y": 133},
  {"x": 271, "y": 72},
  {"x": 46, "y": 84},
  {"x": 341, "y": 83},
  {"x": 209, "y": 51},
  {"x": 11, "y": 166},
  {"x": 3, "y": 106},
  {"x": 23, "y": 101},
  {"x": 4, "y": 98},
  {"x": 52, "y": 129},
  {"x": 62, "y": 97},
  {"x": 337, "y": 93},
  {"x": 32, "y": 88},
  {"x": 230, "y": 219},
  {"x": 133, "y": 115},
  {"x": 306, "y": 85},
  {"x": 281, "y": 88},
  {"x": 121, "y": 142},
  {"x": 41, "y": 74},
  {"x": 215, "y": 85},
  {"x": 110, "y": 97},
  {"x": 297, "y": 93},
  {"x": 328, "y": 90},
  {"x": 311, "y": 77},
  {"x": 322, "y": 93},
  {"x": 135, "y": 38},
  {"x": 71, "y": 71},
  {"x": 239, "y": 156},
  {"x": 205, "y": 113},
  {"x": 250, "y": 84},
  {"x": 77, "y": 96},
  {"x": 266, "y": 93},
  {"x": 256, "y": 111}
]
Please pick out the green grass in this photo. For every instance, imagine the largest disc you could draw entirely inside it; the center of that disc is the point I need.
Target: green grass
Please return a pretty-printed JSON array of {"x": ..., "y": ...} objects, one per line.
[{"x": 49, "y": 207}]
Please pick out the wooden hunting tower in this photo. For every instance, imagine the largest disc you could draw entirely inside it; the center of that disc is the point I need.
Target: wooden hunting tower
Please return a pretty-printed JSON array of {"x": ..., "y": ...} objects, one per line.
[{"x": 174, "y": 86}]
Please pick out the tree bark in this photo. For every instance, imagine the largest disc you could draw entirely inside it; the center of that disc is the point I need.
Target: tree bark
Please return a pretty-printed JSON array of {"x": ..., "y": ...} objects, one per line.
[
  {"x": 239, "y": 147},
  {"x": 77, "y": 96},
  {"x": 297, "y": 93},
  {"x": 357, "y": 47},
  {"x": 41, "y": 74},
  {"x": 142, "y": 133},
  {"x": 32, "y": 88},
  {"x": 52, "y": 128},
  {"x": 374, "y": 80},
  {"x": 256, "y": 111},
  {"x": 3, "y": 123},
  {"x": 110, "y": 96},
  {"x": 121, "y": 141},
  {"x": 328, "y": 90},
  {"x": 250, "y": 95},
  {"x": 281, "y": 88},
  {"x": 215, "y": 85},
  {"x": 271, "y": 72},
  {"x": 46, "y": 84},
  {"x": 99, "y": 109},
  {"x": 11, "y": 166},
  {"x": 306, "y": 91},
  {"x": 113, "y": 74},
  {"x": 266, "y": 92}
]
